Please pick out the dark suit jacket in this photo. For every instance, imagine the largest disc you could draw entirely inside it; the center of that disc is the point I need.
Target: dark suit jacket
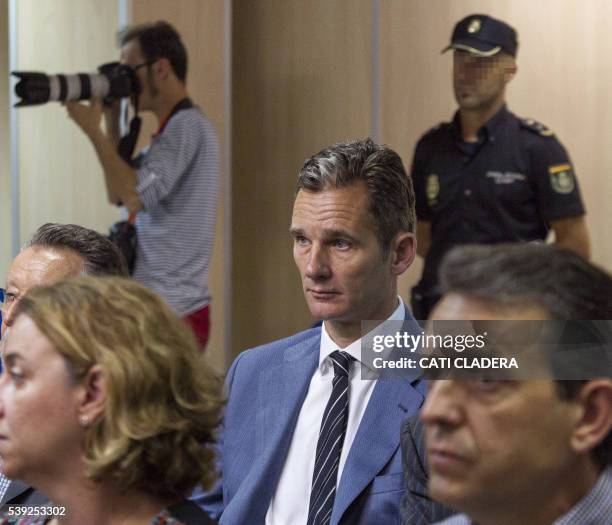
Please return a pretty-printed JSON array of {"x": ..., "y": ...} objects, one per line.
[
  {"x": 18, "y": 493},
  {"x": 417, "y": 508},
  {"x": 189, "y": 513}
]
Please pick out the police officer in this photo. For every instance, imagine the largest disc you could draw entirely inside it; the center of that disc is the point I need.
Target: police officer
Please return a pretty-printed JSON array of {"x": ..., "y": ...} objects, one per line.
[{"x": 489, "y": 176}]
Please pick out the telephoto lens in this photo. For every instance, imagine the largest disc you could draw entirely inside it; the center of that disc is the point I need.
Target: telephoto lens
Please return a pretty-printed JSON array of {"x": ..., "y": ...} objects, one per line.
[{"x": 112, "y": 81}]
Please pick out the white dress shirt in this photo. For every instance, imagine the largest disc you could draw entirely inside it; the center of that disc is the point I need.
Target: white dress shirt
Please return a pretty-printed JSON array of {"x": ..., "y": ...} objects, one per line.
[{"x": 290, "y": 501}]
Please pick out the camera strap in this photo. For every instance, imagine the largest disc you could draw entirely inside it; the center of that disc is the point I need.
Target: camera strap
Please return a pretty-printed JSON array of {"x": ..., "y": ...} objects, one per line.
[
  {"x": 127, "y": 143},
  {"x": 184, "y": 103}
]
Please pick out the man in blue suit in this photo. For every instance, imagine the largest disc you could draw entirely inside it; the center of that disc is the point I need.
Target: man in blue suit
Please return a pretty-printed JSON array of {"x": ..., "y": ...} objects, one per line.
[{"x": 306, "y": 440}]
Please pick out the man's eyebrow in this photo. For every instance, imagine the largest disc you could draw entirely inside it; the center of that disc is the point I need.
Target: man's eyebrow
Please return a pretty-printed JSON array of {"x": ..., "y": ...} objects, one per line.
[
  {"x": 327, "y": 233},
  {"x": 334, "y": 233}
]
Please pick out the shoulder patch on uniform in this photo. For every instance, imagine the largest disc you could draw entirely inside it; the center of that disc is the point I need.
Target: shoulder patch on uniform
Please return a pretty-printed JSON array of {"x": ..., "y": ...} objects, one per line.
[
  {"x": 562, "y": 178},
  {"x": 536, "y": 127}
]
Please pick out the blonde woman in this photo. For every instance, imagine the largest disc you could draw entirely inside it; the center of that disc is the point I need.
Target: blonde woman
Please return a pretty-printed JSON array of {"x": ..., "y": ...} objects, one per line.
[{"x": 106, "y": 407}]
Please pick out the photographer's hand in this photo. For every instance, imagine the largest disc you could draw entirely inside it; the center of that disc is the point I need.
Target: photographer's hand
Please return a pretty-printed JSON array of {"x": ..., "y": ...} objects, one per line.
[
  {"x": 87, "y": 116},
  {"x": 112, "y": 117}
]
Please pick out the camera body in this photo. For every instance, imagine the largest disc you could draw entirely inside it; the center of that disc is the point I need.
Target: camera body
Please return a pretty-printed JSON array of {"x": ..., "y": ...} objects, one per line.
[{"x": 113, "y": 81}]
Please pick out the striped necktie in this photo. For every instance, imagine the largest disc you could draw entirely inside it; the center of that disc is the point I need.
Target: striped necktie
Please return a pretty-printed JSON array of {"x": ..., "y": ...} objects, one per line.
[{"x": 329, "y": 445}]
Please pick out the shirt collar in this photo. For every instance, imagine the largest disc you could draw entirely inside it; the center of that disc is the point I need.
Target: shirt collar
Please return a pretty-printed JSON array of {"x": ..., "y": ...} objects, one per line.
[
  {"x": 354, "y": 349},
  {"x": 489, "y": 127},
  {"x": 596, "y": 504},
  {"x": 184, "y": 103}
]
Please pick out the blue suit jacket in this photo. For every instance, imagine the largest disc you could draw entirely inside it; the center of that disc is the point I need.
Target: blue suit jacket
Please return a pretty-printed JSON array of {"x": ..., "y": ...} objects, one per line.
[{"x": 267, "y": 386}]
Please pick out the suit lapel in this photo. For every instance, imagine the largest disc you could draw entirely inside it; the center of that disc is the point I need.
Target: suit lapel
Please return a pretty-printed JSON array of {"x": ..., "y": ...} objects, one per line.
[
  {"x": 378, "y": 436},
  {"x": 280, "y": 395},
  {"x": 376, "y": 440},
  {"x": 14, "y": 489}
]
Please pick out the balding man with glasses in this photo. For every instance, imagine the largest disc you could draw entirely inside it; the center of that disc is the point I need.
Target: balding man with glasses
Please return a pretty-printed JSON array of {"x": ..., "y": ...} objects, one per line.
[{"x": 55, "y": 252}]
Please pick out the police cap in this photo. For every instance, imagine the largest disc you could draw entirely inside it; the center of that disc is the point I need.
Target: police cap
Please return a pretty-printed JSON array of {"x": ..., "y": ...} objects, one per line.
[{"x": 484, "y": 36}]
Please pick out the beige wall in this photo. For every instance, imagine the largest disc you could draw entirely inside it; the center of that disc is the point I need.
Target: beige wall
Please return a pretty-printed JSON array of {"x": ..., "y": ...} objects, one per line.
[
  {"x": 201, "y": 25},
  {"x": 564, "y": 81},
  {"x": 5, "y": 176},
  {"x": 60, "y": 178},
  {"x": 301, "y": 77}
]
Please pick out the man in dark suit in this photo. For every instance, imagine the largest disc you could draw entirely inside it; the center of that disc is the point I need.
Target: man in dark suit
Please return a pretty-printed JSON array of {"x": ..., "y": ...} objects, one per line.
[
  {"x": 55, "y": 252},
  {"x": 306, "y": 440}
]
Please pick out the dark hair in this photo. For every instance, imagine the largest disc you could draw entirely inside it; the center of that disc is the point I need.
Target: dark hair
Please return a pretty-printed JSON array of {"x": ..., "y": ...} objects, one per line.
[
  {"x": 158, "y": 40},
  {"x": 391, "y": 195},
  {"x": 101, "y": 256},
  {"x": 561, "y": 282}
]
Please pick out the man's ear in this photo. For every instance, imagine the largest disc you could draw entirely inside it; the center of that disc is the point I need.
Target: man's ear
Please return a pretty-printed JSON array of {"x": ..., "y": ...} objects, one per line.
[
  {"x": 510, "y": 69},
  {"x": 163, "y": 68},
  {"x": 93, "y": 396},
  {"x": 403, "y": 251},
  {"x": 595, "y": 422}
]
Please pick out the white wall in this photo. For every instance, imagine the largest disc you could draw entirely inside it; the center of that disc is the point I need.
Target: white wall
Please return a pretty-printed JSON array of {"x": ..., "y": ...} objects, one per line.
[{"x": 60, "y": 177}]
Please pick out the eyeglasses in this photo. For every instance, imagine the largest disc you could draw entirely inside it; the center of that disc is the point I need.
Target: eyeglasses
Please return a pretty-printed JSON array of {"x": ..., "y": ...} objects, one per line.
[
  {"x": 147, "y": 63},
  {"x": 4, "y": 300}
]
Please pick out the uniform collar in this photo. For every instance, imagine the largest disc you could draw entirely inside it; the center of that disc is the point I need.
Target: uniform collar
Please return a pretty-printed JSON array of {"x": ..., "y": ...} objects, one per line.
[
  {"x": 492, "y": 125},
  {"x": 489, "y": 128}
]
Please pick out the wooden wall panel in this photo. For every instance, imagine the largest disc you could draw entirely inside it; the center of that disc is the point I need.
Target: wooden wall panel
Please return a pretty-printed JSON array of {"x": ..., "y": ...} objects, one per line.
[
  {"x": 5, "y": 176},
  {"x": 60, "y": 178},
  {"x": 564, "y": 81},
  {"x": 301, "y": 80},
  {"x": 201, "y": 25}
]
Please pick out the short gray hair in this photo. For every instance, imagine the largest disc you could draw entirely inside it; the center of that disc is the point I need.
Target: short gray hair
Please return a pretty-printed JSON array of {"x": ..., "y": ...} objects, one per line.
[{"x": 390, "y": 190}]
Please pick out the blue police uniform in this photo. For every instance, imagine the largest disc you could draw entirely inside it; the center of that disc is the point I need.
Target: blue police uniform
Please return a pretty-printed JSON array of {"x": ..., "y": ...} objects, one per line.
[{"x": 506, "y": 187}]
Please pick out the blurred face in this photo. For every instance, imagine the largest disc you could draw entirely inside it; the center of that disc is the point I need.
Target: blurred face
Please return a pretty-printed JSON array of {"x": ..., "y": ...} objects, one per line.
[
  {"x": 479, "y": 82},
  {"x": 39, "y": 430},
  {"x": 37, "y": 266},
  {"x": 493, "y": 443},
  {"x": 344, "y": 276},
  {"x": 131, "y": 55}
]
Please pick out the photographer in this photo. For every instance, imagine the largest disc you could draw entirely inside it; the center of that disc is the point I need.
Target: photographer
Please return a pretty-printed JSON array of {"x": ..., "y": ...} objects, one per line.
[{"x": 172, "y": 185}]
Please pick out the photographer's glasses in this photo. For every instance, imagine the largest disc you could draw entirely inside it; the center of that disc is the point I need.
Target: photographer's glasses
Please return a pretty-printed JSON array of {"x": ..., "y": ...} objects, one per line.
[
  {"x": 144, "y": 64},
  {"x": 2, "y": 296}
]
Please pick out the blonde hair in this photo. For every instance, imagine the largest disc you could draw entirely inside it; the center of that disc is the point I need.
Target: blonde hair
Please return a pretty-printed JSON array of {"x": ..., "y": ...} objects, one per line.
[{"x": 163, "y": 403}]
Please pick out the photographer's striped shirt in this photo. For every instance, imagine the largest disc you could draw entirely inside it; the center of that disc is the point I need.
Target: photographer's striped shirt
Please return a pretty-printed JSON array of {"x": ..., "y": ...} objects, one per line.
[{"x": 178, "y": 186}]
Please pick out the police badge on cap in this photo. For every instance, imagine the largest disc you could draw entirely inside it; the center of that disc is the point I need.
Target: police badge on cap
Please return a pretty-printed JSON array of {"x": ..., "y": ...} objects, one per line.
[{"x": 483, "y": 36}]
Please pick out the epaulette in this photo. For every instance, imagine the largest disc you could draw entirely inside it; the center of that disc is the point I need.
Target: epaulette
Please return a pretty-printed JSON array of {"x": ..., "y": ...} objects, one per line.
[
  {"x": 536, "y": 127},
  {"x": 434, "y": 129}
]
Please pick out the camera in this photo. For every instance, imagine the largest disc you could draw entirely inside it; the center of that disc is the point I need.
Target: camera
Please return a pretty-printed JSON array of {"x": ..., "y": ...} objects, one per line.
[{"x": 113, "y": 81}]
